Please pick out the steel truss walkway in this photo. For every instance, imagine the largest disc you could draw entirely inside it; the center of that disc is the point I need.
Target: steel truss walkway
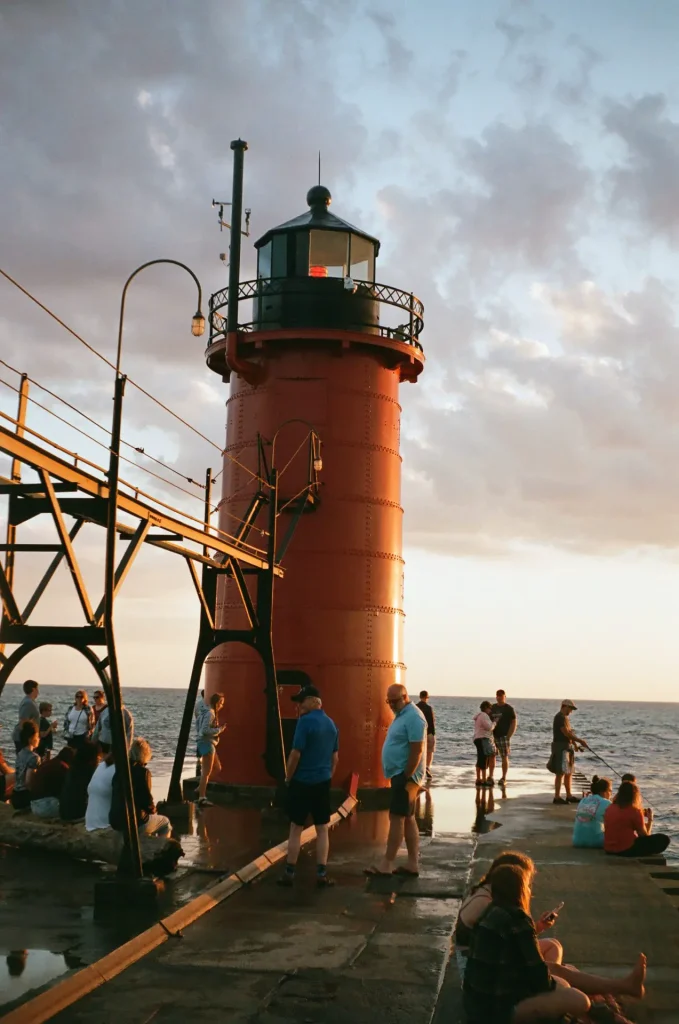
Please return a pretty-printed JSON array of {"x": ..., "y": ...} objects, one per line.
[{"x": 66, "y": 489}]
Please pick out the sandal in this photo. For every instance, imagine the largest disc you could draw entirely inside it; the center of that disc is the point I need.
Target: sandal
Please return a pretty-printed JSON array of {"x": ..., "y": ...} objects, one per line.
[
  {"x": 407, "y": 872},
  {"x": 372, "y": 872}
]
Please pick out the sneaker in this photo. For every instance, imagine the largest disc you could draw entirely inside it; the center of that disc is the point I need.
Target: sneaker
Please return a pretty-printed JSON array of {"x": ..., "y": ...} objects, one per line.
[
  {"x": 573, "y": 800},
  {"x": 479, "y": 783},
  {"x": 490, "y": 782},
  {"x": 559, "y": 800},
  {"x": 204, "y": 802},
  {"x": 324, "y": 882}
]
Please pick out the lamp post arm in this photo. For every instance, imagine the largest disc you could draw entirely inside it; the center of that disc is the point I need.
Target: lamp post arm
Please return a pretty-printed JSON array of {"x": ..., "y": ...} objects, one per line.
[{"x": 150, "y": 263}]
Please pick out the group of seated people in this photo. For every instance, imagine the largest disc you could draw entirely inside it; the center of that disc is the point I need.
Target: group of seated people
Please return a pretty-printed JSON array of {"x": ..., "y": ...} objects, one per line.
[
  {"x": 511, "y": 972},
  {"x": 620, "y": 826},
  {"x": 80, "y": 783}
]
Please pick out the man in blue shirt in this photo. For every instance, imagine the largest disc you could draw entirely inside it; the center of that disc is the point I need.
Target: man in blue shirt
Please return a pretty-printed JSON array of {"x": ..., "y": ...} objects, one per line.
[
  {"x": 403, "y": 763},
  {"x": 311, "y": 765}
]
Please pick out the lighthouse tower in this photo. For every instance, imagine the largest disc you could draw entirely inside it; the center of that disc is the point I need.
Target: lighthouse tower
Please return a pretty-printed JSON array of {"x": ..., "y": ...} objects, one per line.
[{"x": 319, "y": 344}]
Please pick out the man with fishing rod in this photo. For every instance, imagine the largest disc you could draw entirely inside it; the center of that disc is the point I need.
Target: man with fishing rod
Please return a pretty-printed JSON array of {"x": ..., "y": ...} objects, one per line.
[{"x": 562, "y": 759}]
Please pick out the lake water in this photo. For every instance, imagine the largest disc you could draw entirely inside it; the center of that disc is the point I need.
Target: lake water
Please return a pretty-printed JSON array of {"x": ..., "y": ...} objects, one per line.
[{"x": 632, "y": 737}]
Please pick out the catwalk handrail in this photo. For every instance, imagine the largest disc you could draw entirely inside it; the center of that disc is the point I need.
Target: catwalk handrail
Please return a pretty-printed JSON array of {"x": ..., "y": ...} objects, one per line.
[{"x": 33, "y": 455}]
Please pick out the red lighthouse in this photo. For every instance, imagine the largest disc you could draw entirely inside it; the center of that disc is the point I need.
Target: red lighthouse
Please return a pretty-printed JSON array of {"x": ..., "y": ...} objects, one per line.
[{"x": 318, "y": 344}]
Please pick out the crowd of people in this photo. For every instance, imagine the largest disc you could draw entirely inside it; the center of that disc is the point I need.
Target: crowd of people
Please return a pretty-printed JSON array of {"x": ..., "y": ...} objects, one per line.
[{"x": 79, "y": 782}]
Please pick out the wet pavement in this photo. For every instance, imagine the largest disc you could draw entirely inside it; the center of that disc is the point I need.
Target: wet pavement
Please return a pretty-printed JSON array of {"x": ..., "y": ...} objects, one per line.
[{"x": 47, "y": 922}]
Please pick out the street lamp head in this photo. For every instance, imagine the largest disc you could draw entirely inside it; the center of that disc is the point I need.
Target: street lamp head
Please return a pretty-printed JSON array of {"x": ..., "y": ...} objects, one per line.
[{"x": 198, "y": 324}]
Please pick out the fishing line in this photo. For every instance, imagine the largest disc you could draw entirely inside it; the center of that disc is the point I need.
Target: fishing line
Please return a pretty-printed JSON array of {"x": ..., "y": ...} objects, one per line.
[{"x": 615, "y": 772}]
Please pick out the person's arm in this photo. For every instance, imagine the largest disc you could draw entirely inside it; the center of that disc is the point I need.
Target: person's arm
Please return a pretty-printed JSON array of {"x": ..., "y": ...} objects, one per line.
[
  {"x": 149, "y": 804},
  {"x": 512, "y": 726},
  {"x": 414, "y": 757},
  {"x": 640, "y": 826},
  {"x": 333, "y": 765},
  {"x": 47, "y": 731},
  {"x": 293, "y": 761},
  {"x": 416, "y": 729}
]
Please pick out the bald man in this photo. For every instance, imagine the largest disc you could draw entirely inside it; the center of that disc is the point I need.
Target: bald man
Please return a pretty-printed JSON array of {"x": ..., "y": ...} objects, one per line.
[{"x": 403, "y": 763}]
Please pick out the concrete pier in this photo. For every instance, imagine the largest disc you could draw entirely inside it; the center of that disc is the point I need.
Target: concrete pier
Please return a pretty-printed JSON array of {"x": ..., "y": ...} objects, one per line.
[
  {"x": 380, "y": 949},
  {"x": 614, "y": 908},
  {"x": 366, "y": 949}
]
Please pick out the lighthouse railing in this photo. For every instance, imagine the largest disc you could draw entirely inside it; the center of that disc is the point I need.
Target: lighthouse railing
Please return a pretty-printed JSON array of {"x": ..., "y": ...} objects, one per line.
[{"x": 407, "y": 332}]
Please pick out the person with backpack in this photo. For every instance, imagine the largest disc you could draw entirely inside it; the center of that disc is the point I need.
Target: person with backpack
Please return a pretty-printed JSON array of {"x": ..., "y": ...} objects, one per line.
[
  {"x": 102, "y": 731},
  {"x": 79, "y": 721}
]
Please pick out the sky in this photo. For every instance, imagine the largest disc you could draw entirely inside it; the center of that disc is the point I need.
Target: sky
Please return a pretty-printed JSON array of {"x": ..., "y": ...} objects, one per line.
[{"x": 518, "y": 161}]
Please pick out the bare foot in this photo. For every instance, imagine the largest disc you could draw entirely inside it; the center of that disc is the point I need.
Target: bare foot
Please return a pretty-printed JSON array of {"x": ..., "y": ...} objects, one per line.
[{"x": 634, "y": 982}]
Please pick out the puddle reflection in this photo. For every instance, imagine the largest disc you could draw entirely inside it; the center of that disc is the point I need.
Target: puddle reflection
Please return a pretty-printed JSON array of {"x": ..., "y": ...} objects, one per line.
[{"x": 27, "y": 969}]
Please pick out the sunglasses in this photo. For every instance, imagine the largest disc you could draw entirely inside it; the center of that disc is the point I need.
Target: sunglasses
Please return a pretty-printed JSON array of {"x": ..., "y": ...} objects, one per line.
[{"x": 393, "y": 700}]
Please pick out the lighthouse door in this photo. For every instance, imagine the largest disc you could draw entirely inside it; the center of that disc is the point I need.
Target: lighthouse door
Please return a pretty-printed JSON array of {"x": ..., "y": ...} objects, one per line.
[{"x": 290, "y": 681}]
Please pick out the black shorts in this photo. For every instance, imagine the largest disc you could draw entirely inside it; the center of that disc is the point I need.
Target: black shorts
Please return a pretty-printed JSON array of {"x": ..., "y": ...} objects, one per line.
[
  {"x": 403, "y": 796},
  {"x": 306, "y": 799}
]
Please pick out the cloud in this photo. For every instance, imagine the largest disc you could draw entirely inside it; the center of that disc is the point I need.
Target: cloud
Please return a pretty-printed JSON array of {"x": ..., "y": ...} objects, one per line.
[
  {"x": 643, "y": 185},
  {"x": 567, "y": 445}
]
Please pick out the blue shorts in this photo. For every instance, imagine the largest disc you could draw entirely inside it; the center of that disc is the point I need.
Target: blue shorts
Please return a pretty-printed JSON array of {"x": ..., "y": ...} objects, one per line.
[{"x": 204, "y": 748}]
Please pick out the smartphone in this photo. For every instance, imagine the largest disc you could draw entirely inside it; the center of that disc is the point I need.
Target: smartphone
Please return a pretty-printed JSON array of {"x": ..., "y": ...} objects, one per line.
[{"x": 553, "y": 913}]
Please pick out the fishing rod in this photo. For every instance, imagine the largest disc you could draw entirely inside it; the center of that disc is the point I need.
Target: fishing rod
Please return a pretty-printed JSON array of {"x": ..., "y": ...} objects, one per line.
[{"x": 614, "y": 770}]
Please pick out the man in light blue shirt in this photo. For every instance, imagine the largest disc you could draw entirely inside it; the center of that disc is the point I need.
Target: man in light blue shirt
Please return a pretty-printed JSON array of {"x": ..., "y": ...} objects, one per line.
[{"x": 403, "y": 763}]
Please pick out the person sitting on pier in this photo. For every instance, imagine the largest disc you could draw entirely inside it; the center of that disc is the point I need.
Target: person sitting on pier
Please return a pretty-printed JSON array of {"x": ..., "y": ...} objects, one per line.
[
  {"x": 26, "y": 762},
  {"x": 148, "y": 821},
  {"x": 507, "y": 979},
  {"x": 99, "y": 796},
  {"x": 627, "y": 826},
  {"x": 47, "y": 782},
  {"x": 6, "y": 779},
  {"x": 478, "y": 901},
  {"x": 73, "y": 799},
  {"x": 588, "y": 830},
  {"x": 79, "y": 721}
]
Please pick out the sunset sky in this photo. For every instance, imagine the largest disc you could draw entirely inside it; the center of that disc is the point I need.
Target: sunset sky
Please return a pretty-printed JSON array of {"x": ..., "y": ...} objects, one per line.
[{"x": 519, "y": 162}]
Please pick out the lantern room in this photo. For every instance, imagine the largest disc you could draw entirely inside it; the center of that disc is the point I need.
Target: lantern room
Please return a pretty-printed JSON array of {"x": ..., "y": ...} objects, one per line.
[{"x": 316, "y": 284}]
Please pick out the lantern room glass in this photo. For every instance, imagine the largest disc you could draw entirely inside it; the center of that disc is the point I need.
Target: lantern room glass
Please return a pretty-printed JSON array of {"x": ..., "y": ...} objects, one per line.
[
  {"x": 361, "y": 259},
  {"x": 328, "y": 254},
  {"x": 264, "y": 262}
]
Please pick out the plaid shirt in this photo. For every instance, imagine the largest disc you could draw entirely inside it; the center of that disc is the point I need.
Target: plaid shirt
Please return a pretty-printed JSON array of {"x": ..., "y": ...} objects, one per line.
[{"x": 505, "y": 965}]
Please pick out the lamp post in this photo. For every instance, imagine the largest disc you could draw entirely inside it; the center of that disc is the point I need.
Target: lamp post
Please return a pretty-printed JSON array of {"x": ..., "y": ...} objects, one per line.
[{"x": 131, "y": 862}]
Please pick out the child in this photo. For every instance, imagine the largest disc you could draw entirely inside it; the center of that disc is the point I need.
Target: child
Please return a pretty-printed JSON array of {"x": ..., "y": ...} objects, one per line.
[
  {"x": 26, "y": 762},
  {"x": 47, "y": 730}
]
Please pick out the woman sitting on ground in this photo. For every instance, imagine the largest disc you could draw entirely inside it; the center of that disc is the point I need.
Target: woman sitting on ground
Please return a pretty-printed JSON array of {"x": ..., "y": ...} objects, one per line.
[
  {"x": 148, "y": 821},
  {"x": 588, "y": 830},
  {"x": 99, "y": 795},
  {"x": 47, "y": 782},
  {"x": 627, "y": 827},
  {"x": 73, "y": 799},
  {"x": 507, "y": 979},
  {"x": 478, "y": 901},
  {"x": 26, "y": 762}
]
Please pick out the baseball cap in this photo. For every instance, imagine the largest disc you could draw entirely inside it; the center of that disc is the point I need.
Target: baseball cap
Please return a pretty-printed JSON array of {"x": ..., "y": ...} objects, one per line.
[
  {"x": 306, "y": 691},
  {"x": 569, "y": 704}
]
